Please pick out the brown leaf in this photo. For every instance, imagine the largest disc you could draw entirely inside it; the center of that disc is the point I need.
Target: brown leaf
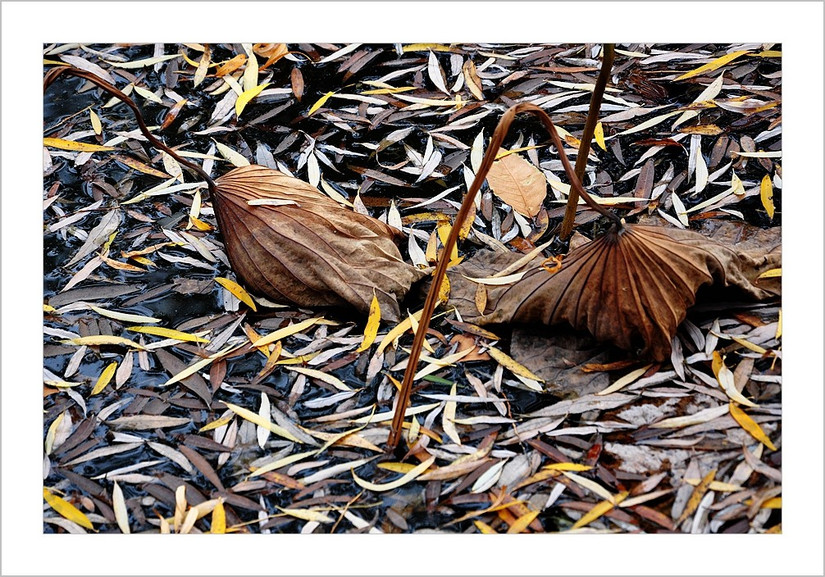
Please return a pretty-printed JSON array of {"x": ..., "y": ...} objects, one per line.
[
  {"x": 518, "y": 183},
  {"x": 308, "y": 250},
  {"x": 631, "y": 287}
]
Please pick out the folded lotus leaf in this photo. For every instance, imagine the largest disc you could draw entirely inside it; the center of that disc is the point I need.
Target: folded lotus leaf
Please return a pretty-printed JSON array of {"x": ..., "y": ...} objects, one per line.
[
  {"x": 631, "y": 286},
  {"x": 303, "y": 248}
]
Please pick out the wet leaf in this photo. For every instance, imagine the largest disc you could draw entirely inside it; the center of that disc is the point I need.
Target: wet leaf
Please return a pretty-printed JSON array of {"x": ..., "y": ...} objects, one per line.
[
  {"x": 68, "y": 510},
  {"x": 100, "y": 340},
  {"x": 256, "y": 419},
  {"x": 518, "y": 183},
  {"x": 104, "y": 378},
  {"x": 168, "y": 334},
  {"x": 237, "y": 290}
]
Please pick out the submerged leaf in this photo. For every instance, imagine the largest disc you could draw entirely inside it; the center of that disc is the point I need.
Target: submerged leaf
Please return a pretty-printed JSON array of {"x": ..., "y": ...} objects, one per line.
[{"x": 313, "y": 253}]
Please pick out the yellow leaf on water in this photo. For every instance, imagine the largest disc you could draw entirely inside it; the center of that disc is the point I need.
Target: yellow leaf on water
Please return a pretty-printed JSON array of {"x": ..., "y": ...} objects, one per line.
[
  {"x": 286, "y": 332},
  {"x": 319, "y": 103},
  {"x": 256, "y": 419},
  {"x": 63, "y": 144},
  {"x": 52, "y": 432},
  {"x": 100, "y": 340},
  {"x": 67, "y": 510},
  {"x": 751, "y": 426},
  {"x": 766, "y": 193},
  {"x": 104, "y": 378},
  {"x": 713, "y": 65},
  {"x": 598, "y": 134},
  {"x": 415, "y": 472},
  {"x": 371, "y": 330},
  {"x": 216, "y": 423},
  {"x": 168, "y": 334},
  {"x": 322, "y": 376},
  {"x": 218, "y": 518},
  {"x": 248, "y": 95},
  {"x": 397, "y": 467},
  {"x": 237, "y": 290},
  {"x": 510, "y": 363}
]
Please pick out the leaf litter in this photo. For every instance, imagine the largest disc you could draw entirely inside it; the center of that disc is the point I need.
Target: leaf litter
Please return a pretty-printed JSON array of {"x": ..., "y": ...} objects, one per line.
[{"x": 161, "y": 427}]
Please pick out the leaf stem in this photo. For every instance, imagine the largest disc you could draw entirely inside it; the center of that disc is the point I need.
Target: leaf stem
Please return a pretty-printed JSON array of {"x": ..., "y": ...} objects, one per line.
[
  {"x": 403, "y": 397},
  {"x": 54, "y": 73},
  {"x": 587, "y": 136}
]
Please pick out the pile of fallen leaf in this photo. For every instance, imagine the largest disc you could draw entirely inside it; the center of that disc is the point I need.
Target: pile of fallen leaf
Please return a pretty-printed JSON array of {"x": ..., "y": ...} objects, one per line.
[{"x": 178, "y": 401}]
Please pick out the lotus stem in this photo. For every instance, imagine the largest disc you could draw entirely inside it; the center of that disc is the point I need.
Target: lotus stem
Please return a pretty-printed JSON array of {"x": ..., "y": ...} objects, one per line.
[
  {"x": 587, "y": 136},
  {"x": 438, "y": 276}
]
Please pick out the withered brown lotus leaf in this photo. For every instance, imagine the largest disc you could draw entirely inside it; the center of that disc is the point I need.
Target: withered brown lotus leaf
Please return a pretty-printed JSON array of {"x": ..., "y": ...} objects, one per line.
[
  {"x": 304, "y": 248},
  {"x": 631, "y": 286}
]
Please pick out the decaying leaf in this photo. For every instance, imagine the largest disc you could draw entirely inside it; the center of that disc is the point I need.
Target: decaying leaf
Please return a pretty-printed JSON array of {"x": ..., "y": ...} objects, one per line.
[
  {"x": 631, "y": 287},
  {"x": 312, "y": 253}
]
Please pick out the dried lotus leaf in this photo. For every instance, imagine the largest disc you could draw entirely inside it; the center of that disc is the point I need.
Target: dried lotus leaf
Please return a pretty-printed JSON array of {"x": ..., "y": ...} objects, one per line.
[{"x": 310, "y": 251}]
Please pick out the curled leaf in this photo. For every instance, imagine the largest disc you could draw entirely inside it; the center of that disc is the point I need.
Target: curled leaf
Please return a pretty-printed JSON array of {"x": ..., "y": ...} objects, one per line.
[{"x": 314, "y": 253}]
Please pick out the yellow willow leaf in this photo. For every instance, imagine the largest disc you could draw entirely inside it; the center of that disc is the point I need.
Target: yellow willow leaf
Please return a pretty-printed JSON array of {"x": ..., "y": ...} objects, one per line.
[
  {"x": 104, "y": 378},
  {"x": 414, "y": 327},
  {"x": 766, "y": 194},
  {"x": 319, "y": 103},
  {"x": 713, "y": 65},
  {"x": 231, "y": 65},
  {"x": 624, "y": 381},
  {"x": 218, "y": 518},
  {"x": 237, "y": 290},
  {"x": 257, "y": 420},
  {"x": 286, "y": 332},
  {"x": 774, "y": 503},
  {"x": 168, "y": 334},
  {"x": 188, "y": 371},
  {"x": 749, "y": 345},
  {"x": 725, "y": 378},
  {"x": 484, "y": 528},
  {"x": 779, "y": 325},
  {"x": 751, "y": 426},
  {"x": 599, "y": 510},
  {"x": 63, "y": 144},
  {"x": 598, "y": 134},
  {"x": 398, "y": 482},
  {"x": 69, "y": 511},
  {"x": 141, "y": 167},
  {"x": 397, "y": 467},
  {"x": 52, "y": 432},
  {"x": 100, "y": 340},
  {"x": 421, "y": 47},
  {"x": 288, "y": 460},
  {"x": 322, "y": 376},
  {"x": 520, "y": 524},
  {"x": 697, "y": 495},
  {"x": 216, "y": 423},
  {"x": 773, "y": 273},
  {"x": 714, "y": 486},
  {"x": 398, "y": 330},
  {"x": 129, "y": 318},
  {"x": 371, "y": 330},
  {"x": 566, "y": 467},
  {"x": 695, "y": 419},
  {"x": 119, "y": 507},
  {"x": 307, "y": 515},
  {"x": 509, "y": 363},
  {"x": 246, "y": 96}
]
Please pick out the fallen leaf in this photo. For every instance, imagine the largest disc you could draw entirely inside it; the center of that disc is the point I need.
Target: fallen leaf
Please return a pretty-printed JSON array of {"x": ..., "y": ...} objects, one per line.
[
  {"x": 69, "y": 511},
  {"x": 766, "y": 194},
  {"x": 713, "y": 65},
  {"x": 518, "y": 183},
  {"x": 104, "y": 378},
  {"x": 237, "y": 290},
  {"x": 379, "y": 488},
  {"x": 751, "y": 426},
  {"x": 314, "y": 253},
  {"x": 371, "y": 330}
]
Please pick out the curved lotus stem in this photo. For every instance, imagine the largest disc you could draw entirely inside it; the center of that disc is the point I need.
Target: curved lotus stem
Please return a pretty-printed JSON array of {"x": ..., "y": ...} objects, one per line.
[
  {"x": 441, "y": 268},
  {"x": 54, "y": 73}
]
